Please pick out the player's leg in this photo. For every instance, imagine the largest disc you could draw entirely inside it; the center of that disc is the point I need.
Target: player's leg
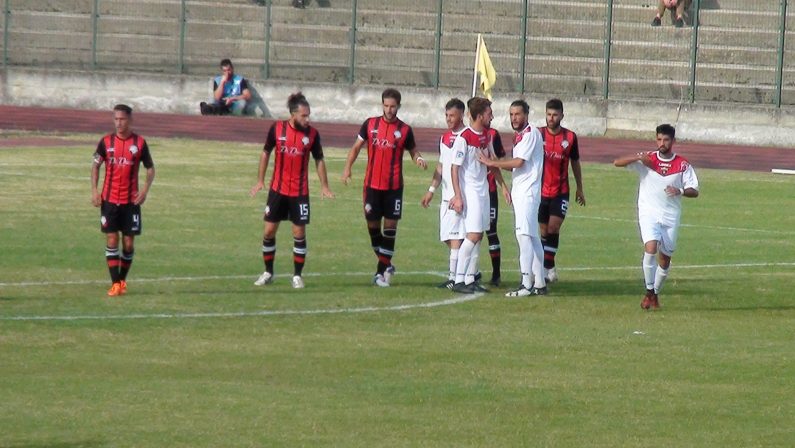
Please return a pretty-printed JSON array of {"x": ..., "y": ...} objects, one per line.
[
  {"x": 666, "y": 248},
  {"x": 474, "y": 225},
  {"x": 392, "y": 206},
  {"x": 268, "y": 252},
  {"x": 299, "y": 254},
  {"x": 525, "y": 266},
  {"x": 495, "y": 251},
  {"x": 113, "y": 260},
  {"x": 126, "y": 259}
]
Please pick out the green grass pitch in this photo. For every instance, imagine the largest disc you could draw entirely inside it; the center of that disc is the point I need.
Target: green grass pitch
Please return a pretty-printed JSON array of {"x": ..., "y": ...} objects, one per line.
[{"x": 196, "y": 356}]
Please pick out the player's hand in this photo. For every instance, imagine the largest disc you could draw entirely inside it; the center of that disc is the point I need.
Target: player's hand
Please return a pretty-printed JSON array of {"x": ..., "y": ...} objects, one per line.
[
  {"x": 426, "y": 199},
  {"x": 580, "y": 197},
  {"x": 644, "y": 158},
  {"x": 257, "y": 187},
  {"x": 326, "y": 193},
  {"x": 140, "y": 197},
  {"x": 346, "y": 176},
  {"x": 457, "y": 204},
  {"x": 229, "y": 100},
  {"x": 421, "y": 163},
  {"x": 96, "y": 199},
  {"x": 507, "y": 194},
  {"x": 672, "y": 191},
  {"x": 484, "y": 159}
]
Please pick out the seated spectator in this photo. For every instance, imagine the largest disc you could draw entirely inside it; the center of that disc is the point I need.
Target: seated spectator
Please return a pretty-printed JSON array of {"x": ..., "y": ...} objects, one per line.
[
  {"x": 677, "y": 7},
  {"x": 230, "y": 92}
]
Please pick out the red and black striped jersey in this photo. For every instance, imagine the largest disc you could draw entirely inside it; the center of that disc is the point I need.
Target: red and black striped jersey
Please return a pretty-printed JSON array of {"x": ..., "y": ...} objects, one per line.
[
  {"x": 385, "y": 145},
  {"x": 122, "y": 159},
  {"x": 499, "y": 151},
  {"x": 293, "y": 147},
  {"x": 558, "y": 150}
]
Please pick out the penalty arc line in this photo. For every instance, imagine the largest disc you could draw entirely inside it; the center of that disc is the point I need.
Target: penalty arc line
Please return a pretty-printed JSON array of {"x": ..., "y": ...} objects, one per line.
[{"x": 264, "y": 313}]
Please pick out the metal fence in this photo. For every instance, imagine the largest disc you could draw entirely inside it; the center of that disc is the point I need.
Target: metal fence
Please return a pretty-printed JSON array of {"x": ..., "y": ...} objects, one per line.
[{"x": 730, "y": 50}]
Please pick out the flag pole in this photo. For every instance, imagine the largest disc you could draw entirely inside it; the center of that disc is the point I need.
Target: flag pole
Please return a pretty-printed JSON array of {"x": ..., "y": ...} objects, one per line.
[{"x": 475, "y": 70}]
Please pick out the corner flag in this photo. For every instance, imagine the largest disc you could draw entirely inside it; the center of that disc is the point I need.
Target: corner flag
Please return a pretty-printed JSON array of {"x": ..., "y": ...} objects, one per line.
[{"x": 484, "y": 68}]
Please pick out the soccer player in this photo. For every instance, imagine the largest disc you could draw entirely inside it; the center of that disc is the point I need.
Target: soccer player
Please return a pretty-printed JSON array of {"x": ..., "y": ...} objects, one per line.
[
  {"x": 495, "y": 251},
  {"x": 560, "y": 146},
  {"x": 120, "y": 200},
  {"x": 386, "y": 137},
  {"x": 471, "y": 190},
  {"x": 451, "y": 225},
  {"x": 527, "y": 165},
  {"x": 293, "y": 141},
  {"x": 665, "y": 178}
]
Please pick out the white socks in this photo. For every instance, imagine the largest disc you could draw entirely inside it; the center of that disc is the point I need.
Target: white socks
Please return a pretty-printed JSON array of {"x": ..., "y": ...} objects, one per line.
[
  {"x": 659, "y": 279},
  {"x": 538, "y": 262},
  {"x": 453, "y": 264},
  {"x": 464, "y": 255},
  {"x": 649, "y": 266},
  {"x": 472, "y": 267}
]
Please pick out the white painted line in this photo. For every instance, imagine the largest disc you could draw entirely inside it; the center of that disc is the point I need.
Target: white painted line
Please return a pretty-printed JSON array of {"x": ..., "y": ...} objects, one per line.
[
  {"x": 369, "y": 309},
  {"x": 253, "y": 276},
  {"x": 782, "y": 171}
]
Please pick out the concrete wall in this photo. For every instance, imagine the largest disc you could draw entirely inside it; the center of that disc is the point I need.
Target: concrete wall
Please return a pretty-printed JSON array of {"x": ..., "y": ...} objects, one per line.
[{"x": 719, "y": 123}]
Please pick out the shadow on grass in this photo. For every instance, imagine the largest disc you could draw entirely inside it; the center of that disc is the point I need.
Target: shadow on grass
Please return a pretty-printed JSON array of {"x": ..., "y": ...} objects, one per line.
[{"x": 80, "y": 444}]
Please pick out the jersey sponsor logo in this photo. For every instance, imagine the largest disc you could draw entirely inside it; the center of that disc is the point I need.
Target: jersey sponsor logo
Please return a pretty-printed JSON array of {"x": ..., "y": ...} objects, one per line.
[
  {"x": 121, "y": 161},
  {"x": 383, "y": 143},
  {"x": 554, "y": 155},
  {"x": 291, "y": 150},
  {"x": 459, "y": 154}
]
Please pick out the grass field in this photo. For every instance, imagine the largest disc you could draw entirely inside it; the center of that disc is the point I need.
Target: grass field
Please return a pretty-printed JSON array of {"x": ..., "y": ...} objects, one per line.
[{"x": 197, "y": 356}]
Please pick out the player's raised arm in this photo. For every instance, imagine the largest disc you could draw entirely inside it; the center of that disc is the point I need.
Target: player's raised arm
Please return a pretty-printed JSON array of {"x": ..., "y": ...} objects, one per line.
[{"x": 641, "y": 157}]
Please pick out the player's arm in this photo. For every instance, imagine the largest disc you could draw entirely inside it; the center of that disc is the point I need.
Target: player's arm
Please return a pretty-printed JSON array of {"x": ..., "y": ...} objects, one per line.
[
  {"x": 99, "y": 159},
  {"x": 506, "y": 164},
  {"x": 436, "y": 180},
  {"x": 690, "y": 187},
  {"x": 146, "y": 159},
  {"x": 320, "y": 166},
  {"x": 361, "y": 140},
  {"x": 270, "y": 143},
  {"x": 411, "y": 146},
  {"x": 506, "y": 192},
  {"x": 642, "y": 157},
  {"x": 459, "y": 151},
  {"x": 577, "y": 170},
  {"x": 218, "y": 93}
]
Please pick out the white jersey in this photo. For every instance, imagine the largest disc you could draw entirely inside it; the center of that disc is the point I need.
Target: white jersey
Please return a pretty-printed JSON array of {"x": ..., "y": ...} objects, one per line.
[
  {"x": 446, "y": 155},
  {"x": 528, "y": 145},
  {"x": 472, "y": 177},
  {"x": 653, "y": 202}
]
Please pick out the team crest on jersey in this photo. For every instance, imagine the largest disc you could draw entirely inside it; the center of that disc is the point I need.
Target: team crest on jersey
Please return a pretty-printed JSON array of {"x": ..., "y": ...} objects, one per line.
[
  {"x": 564, "y": 144},
  {"x": 460, "y": 154},
  {"x": 398, "y": 134},
  {"x": 305, "y": 140},
  {"x": 664, "y": 168},
  {"x": 133, "y": 149}
]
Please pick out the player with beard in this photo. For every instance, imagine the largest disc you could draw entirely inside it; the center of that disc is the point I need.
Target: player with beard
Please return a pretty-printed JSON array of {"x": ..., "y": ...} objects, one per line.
[{"x": 292, "y": 141}]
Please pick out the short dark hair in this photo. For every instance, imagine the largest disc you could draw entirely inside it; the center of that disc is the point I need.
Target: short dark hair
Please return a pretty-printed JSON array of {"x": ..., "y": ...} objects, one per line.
[
  {"x": 226, "y": 63},
  {"x": 123, "y": 108},
  {"x": 455, "y": 103},
  {"x": 667, "y": 129},
  {"x": 477, "y": 106},
  {"x": 555, "y": 104},
  {"x": 296, "y": 100},
  {"x": 523, "y": 104},
  {"x": 391, "y": 93}
]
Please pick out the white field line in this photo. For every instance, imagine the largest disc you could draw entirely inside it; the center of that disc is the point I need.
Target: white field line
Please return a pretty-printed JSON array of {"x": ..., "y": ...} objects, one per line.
[
  {"x": 701, "y": 226},
  {"x": 401, "y": 273}
]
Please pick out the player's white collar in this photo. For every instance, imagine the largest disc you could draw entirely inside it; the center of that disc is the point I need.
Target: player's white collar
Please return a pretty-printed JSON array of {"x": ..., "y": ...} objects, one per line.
[
  {"x": 659, "y": 156},
  {"x": 476, "y": 132}
]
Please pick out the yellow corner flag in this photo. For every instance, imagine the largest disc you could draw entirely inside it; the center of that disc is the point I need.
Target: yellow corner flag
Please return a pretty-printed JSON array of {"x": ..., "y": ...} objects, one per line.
[{"x": 484, "y": 68}]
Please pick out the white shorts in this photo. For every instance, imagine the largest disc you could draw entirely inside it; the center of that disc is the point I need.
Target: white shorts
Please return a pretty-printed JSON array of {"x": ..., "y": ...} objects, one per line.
[
  {"x": 652, "y": 229},
  {"x": 526, "y": 214},
  {"x": 451, "y": 224},
  {"x": 476, "y": 212}
]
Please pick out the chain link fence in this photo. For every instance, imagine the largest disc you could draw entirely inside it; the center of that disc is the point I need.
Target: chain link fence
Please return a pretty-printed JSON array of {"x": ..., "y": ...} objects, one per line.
[{"x": 727, "y": 50}]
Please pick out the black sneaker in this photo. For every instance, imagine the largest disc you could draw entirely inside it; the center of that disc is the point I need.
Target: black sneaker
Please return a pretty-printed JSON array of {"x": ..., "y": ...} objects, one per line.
[
  {"x": 680, "y": 22},
  {"x": 495, "y": 281},
  {"x": 478, "y": 276},
  {"x": 446, "y": 285},
  {"x": 656, "y": 22},
  {"x": 463, "y": 289},
  {"x": 205, "y": 108},
  {"x": 538, "y": 291},
  {"x": 476, "y": 287}
]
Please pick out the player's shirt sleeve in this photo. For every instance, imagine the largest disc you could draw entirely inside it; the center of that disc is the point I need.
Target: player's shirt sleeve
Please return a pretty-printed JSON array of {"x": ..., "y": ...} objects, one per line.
[
  {"x": 146, "y": 156},
  {"x": 100, "y": 154},
  {"x": 496, "y": 142},
  {"x": 689, "y": 178},
  {"x": 317, "y": 148},
  {"x": 270, "y": 141},
  {"x": 574, "y": 154},
  {"x": 243, "y": 85},
  {"x": 410, "y": 143},
  {"x": 459, "y": 151},
  {"x": 524, "y": 149},
  {"x": 363, "y": 131}
]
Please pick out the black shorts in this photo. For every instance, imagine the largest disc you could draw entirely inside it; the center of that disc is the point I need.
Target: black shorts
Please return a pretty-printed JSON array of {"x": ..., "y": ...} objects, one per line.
[
  {"x": 557, "y": 206},
  {"x": 382, "y": 204},
  {"x": 124, "y": 218},
  {"x": 281, "y": 207},
  {"x": 494, "y": 210}
]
